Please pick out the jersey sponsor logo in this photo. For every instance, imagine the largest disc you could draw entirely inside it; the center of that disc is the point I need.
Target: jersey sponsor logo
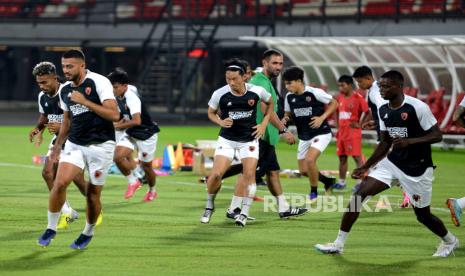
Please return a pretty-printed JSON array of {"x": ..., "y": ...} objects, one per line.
[
  {"x": 88, "y": 90},
  {"x": 395, "y": 132},
  {"x": 302, "y": 112},
  {"x": 55, "y": 118},
  {"x": 344, "y": 115},
  {"x": 308, "y": 99},
  {"x": 404, "y": 115},
  {"x": 235, "y": 115},
  {"x": 251, "y": 102},
  {"x": 78, "y": 109}
]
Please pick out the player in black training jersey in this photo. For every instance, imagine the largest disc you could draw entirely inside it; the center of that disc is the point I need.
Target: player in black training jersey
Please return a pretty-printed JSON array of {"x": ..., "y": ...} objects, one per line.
[
  {"x": 305, "y": 105},
  {"x": 236, "y": 103},
  {"x": 140, "y": 133},
  {"x": 89, "y": 108},
  {"x": 408, "y": 126},
  {"x": 51, "y": 117}
]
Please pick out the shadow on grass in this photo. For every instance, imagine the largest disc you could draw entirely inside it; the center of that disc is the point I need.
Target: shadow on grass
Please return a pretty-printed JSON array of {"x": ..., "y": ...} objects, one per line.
[
  {"x": 33, "y": 261},
  {"x": 360, "y": 267}
]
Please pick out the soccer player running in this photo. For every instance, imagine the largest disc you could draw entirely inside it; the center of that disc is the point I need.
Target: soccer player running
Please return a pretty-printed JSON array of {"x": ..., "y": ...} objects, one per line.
[
  {"x": 305, "y": 106},
  {"x": 456, "y": 205},
  {"x": 408, "y": 126},
  {"x": 352, "y": 106},
  {"x": 365, "y": 80},
  {"x": 140, "y": 133},
  {"x": 272, "y": 62},
  {"x": 51, "y": 117},
  {"x": 237, "y": 103},
  {"x": 89, "y": 108}
]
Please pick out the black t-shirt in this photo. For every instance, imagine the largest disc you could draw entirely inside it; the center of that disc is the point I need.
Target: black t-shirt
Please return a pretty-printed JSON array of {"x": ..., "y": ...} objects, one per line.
[
  {"x": 241, "y": 109},
  {"x": 413, "y": 119},
  {"x": 86, "y": 126},
  {"x": 304, "y": 107},
  {"x": 131, "y": 104}
]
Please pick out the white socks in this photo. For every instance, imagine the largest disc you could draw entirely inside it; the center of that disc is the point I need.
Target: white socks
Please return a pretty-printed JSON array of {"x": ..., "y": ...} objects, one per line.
[
  {"x": 246, "y": 204},
  {"x": 341, "y": 237},
  {"x": 283, "y": 206},
  {"x": 211, "y": 201},
  {"x": 66, "y": 209},
  {"x": 53, "y": 220},
  {"x": 449, "y": 237},
  {"x": 236, "y": 202},
  {"x": 461, "y": 202},
  {"x": 89, "y": 229},
  {"x": 131, "y": 178}
]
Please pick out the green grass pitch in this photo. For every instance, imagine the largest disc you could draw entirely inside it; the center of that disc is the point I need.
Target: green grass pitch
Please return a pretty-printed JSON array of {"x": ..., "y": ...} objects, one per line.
[{"x": 166, "y": 238}]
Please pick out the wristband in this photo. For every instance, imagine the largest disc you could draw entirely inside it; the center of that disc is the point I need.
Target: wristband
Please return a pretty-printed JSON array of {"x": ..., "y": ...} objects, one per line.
[{"x": 283, "y": 131}]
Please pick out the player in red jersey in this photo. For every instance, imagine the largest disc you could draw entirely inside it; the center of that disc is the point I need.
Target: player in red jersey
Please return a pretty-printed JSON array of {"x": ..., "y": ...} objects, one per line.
[{"x": 352, "y": 106}]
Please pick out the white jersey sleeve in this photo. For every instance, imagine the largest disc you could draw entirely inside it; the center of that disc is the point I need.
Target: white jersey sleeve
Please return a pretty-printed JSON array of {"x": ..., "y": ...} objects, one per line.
[
  {"x": 425, "y": 116},
  {"x": 320, "y": 94},
  {"x": 287, "y": 107},
  {"x": 375, "y": 96},
  {"x": 62, "y": 103},
  {"x": 103, "y": 86},
  {"x": 133, "y": 102},
  {"x": 214, "y": 101},
  {"x": 41, "y": 109},
  {"x": 264, "y": 96}
]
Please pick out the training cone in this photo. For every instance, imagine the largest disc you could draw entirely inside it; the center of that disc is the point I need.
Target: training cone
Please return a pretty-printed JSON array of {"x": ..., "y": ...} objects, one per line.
[
  {"x": 179, "y": 156},
  {"x": 172, "y": 158},
  {"x": 166, "y": 164}
]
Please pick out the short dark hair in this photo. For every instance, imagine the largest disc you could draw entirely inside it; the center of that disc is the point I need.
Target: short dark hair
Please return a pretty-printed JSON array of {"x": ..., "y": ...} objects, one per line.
[
  {"x": 74, "y": 53},
  {"x": 347, "y": 79},
  {"x": 235, "y": 65},
  {"x": 395, "y": 76},
  {"x": 271, "y": 52},
  {"x": 44, "y": 68},
  {"x": 362, "y": 71},
  {"x": 118, "y": 76},
  {"x": 293, "y": 73}
]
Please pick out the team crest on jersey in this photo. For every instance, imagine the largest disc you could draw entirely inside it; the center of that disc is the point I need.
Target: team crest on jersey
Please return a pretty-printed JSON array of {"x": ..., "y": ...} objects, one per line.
[
  {"x": 251, "y": 148},
  {"x": 251, "y": 102},
  {"x": 308, "y": 99},
  {"x": 97, "y": 174},
  {"x": 416, "y": 197},
  {"x": 88, "y": 90},
  {"x": 404, "y": 115},
  {"x": 144, "y": 154}
]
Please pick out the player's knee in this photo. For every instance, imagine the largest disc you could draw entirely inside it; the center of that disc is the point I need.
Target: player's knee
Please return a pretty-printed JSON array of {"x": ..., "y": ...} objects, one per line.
[
  {"x": 248, "y": 176},
  {"x": 215, "y": 176},
  {"x": 47, "y": 174},
  {"x": 310, "y": 161},
  {"x": 59, "y": 186}
]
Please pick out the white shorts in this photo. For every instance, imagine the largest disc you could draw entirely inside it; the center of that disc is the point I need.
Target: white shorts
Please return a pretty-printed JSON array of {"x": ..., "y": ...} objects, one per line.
[
  {"x": 146, "y": 148},
  {"x": 418, "y": 188},
  {"x": 118, "y": 135},
  {"x": 320, "y": 142},
  {"x": 97, "y": 158},
  {"x": 229, "y": 148}
]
